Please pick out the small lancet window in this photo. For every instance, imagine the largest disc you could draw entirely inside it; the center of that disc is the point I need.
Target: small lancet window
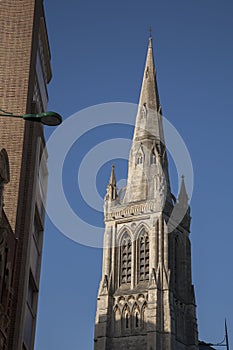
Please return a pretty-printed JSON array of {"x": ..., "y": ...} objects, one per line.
[
  {"x": 140, "y": 159},
  {"x": 147, "y": 72},
  {"x": 136, "y": 320},
  {"x": 144, "y": 111},
  {"x": 152, "y": 157},
  {"x": 127, "y": 320},
  {"x": 143, "y": 320}
]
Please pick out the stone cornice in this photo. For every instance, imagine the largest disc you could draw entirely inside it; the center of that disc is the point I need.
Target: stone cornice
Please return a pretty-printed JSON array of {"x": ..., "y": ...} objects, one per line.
[{"x": 129, "y": 210}]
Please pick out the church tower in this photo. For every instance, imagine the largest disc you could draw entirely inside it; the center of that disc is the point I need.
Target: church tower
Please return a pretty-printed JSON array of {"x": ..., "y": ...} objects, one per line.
[{"x": 146, "y": 298}]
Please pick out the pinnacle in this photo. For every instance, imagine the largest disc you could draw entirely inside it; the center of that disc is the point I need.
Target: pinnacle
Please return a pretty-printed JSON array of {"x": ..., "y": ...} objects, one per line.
[
  {"x": 112, "y": 180},
  {"x": 183, "y": 196}
]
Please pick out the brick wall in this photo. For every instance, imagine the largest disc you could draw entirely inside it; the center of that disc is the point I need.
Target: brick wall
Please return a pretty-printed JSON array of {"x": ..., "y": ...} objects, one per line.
[{"x": 16, "y": 23}]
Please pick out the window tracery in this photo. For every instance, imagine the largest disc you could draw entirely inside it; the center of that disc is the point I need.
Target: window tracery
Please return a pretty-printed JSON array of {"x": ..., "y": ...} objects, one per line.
[
  {"x": 144, "y": 257},
  {"x": 126, "y": 259},
  {"x": 130, "y": 313}
]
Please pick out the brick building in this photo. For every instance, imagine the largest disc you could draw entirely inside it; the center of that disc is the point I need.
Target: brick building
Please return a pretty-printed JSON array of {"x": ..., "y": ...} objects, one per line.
[{"x": 24, "y": 73}]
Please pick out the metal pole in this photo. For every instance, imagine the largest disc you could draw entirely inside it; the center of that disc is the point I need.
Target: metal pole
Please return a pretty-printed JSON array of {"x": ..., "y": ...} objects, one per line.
[{"x": 226, "y": 334}]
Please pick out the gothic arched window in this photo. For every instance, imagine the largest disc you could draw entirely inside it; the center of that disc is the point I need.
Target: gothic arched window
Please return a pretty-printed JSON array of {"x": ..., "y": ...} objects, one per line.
[
  {"x": 140, "y": 159},
  {"x": 136, "y": 316},
  {"x": 126, "y": 318},
  {"x": 143, "y": 320},
  {"x": 117, "y": 319},
  {"x": 126, "y": 259},
  {"x": 127, "y": 321},
  {"x": 140, "y": 156},
  {"x": 152, "y": 157},
  {"x": 144, "y": 257},
  {"x": 144, "y": 110}
]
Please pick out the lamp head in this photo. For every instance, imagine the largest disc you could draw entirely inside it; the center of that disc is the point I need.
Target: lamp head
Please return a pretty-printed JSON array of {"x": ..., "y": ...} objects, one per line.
[{"x": 46, "y": 118}]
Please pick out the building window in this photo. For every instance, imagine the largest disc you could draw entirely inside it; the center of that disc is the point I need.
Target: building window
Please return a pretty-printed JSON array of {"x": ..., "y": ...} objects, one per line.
[
  {"x": 143, "y": 320},
  {"x": 42, "y": 94},
  {"x": 127, "y": 321},
  {"x": 136, "y": 316},
  {"x": 144, "y": 257},
  {"x": 144, "y": 110},
  {"x": 117, "y": 320},
  {"x": 36, "y": 231},
  {"x": 42, "y": 179},
  {"x": 28, "y": 327},
  {"x": 30, "y": 312},
  {"x": 126, "y": 259},
  {"x": 31, "y": 293},
  {"x": 152, "y": 157},
  {"x": 136, "y": 320},
  {"x": 35, "y": 260},
  {"x": 140, "y": 159},
  {"x": 126, "y": 318}
]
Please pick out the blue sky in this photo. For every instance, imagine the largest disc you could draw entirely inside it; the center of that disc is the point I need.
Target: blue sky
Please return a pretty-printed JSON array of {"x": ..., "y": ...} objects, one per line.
[{"x": 98, "y": 53}]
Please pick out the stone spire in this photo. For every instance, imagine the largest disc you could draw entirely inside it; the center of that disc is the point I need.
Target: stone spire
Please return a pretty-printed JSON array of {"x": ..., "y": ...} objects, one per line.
[
  {"x": 149, "y": 90},
  {"x": 148, "y": 120},
  {"x": 148, "y": 172}
]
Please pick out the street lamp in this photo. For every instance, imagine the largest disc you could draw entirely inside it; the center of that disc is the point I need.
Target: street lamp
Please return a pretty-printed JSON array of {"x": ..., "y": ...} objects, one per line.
[{"x": 46, "y": 118}]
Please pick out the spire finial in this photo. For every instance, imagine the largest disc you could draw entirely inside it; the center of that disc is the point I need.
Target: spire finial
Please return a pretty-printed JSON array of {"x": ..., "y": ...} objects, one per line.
[
  {"x": 150, "y": 37},
  {"x": 150, "y": 31}
]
